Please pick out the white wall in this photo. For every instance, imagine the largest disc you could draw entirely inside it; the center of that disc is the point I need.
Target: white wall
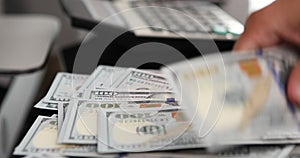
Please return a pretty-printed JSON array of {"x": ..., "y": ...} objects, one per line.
[{"x": 258, "y": 4}]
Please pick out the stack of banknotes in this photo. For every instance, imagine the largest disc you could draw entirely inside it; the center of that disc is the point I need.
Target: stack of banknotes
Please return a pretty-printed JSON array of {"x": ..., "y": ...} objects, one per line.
[{"x": 219, "y": 105}]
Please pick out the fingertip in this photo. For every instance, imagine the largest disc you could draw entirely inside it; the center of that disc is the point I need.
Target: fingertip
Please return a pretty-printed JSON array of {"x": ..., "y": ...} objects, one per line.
[
  {"x": 244, "y": 43},
  {"x": 247, "y": 41}
]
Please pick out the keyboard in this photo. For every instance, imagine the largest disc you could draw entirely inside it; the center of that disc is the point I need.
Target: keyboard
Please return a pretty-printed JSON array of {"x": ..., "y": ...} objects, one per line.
[
  {"x": 205, "y": 17},
  {"x": 194, "y": 19}
]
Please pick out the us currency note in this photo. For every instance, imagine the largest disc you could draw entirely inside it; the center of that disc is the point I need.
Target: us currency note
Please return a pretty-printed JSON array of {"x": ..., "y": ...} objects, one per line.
[
  {"x": 282, "y": 59},
  {"x": 142, "y": 80},
  {"x": 234, "y": 97},
  {"x": 147, "y": 130},
  {"x": 102, "y": 77},
  {"x": 141, "y": 131},
  {"x": 41, "y": 138},
  {"x": 62, "y": 110},
  {"x": 46, "y": 105},
  {"x": 127, "y": 95},
  {"x": 239, "y": 152},
  {"x": 64, "y": 86},
  {"x": 44, "y": 155},
  {"x": 80, "y": 125}
]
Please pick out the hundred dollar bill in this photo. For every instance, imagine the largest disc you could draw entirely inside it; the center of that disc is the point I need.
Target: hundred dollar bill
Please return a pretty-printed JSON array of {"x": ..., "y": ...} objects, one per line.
[
  {"x": 282, "y": 59},
  {"x": 64, "y": 86},
  {"x": 80, "y": 125},
  {"x": 127, "y": 95},
  {"x": 102, "y": 77},
  {"x": 142, "y": 80},
  {"x": 43, "y": 155},
  {"x": 147, "y": 130},
  {"x": 41, "y": 138},
  {"x": 46, "y": 105},
  {"x": 234, "y": 98},
  {"x": 62, "y": 110},
  {"x": 238, "y": 152},
  {"x": 141, "y": 131}
]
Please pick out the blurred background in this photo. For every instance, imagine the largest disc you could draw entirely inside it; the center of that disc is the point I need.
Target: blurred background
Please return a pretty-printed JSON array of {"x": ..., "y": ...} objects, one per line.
[{"x": 69, "y": 38}]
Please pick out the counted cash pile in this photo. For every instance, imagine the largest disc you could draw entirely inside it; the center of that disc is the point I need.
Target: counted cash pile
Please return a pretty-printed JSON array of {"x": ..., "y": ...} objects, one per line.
[
  {"x": 80, "y": 100},
  {"x": 215, "y": 102}
]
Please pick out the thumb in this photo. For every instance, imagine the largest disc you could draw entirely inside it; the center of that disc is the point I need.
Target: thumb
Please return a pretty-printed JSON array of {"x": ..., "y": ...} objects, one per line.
[{"x": 293, "y": 88}]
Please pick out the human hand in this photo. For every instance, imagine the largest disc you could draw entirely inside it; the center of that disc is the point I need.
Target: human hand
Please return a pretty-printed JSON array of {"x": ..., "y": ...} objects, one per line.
[{"x": 272, "y": 25}]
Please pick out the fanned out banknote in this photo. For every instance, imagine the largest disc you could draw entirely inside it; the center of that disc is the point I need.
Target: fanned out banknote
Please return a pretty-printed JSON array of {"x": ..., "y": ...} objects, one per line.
[
  {"x": 41, "y": 138},
  {"x": 128, "y": 95},
  {"x": 142, "y": 80},
  {"x": 64, "y": 86},
  {"x": 238, "y": 152},
  {"x": 80, "y": 124},
  {"x": 46, "y": 105},
  {"x": 102, "y": 77},
  {"x": 237, "y": 98},
  {"x": 147, "y": 130},
  {"x": 150, "y": 130},
  {"x": 62, "y": 110},
  {"x": 43, "y": 155}
]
